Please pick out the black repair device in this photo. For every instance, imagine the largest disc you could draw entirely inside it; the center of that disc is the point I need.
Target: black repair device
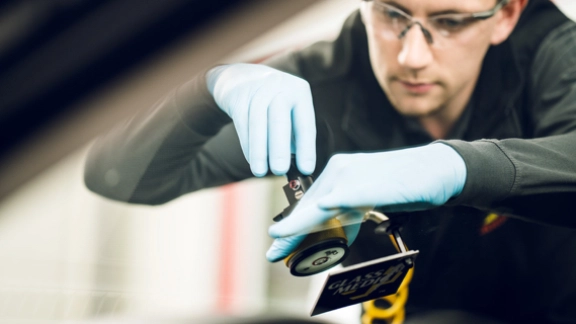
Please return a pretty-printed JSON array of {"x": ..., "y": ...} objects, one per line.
[{"x": 320, "y": 250}]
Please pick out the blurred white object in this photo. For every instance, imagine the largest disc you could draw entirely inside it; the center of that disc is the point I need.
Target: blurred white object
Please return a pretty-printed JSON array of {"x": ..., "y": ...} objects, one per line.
[{"x": 568, "y": 7}]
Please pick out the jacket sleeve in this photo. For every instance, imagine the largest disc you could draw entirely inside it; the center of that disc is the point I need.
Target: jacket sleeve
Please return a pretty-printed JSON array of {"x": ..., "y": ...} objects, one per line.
[
  {"x": 182, "y": 144},
  {"x": 534, "y": 179}
]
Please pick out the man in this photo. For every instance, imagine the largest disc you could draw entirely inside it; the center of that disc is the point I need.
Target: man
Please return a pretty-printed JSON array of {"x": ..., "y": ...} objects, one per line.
[{"x": 490, "y": 84}]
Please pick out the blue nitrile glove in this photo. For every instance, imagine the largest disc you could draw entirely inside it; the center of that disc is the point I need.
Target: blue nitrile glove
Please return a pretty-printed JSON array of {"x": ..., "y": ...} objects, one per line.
[
  {"x": 272, "y": 112},
  {"x": 403, "y": 180}
]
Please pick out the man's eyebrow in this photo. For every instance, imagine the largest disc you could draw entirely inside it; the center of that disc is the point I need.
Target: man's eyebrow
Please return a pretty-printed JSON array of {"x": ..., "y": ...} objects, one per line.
[
  {"x": 436, "y": 13},
  {"x": 398, "y": 6}
]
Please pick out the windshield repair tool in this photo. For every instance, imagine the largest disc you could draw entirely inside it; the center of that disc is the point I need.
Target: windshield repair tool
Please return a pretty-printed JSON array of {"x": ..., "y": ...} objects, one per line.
[
  {"x": 320, "y": 250},
  {"x": 374, "y": 283}
]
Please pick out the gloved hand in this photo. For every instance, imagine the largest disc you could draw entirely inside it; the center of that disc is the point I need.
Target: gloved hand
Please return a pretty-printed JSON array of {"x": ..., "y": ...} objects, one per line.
[
  {"x": 403, "y": 180},
  {"x": 272, "y": 112}
]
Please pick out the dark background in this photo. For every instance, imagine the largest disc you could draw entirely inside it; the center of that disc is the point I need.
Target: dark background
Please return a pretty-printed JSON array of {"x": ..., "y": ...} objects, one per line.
[{"x": 54, "y": 52}]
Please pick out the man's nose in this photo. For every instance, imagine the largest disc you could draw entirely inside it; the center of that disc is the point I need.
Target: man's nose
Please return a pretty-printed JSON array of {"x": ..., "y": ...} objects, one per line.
[{"x": 415, "y": 53}]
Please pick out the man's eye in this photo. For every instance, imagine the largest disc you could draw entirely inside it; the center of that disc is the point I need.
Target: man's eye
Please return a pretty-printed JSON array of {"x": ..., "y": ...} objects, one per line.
[
  {"x": 388, "y": 12},
  {"x": 451, "y": 24},
  {"x": 392, "y": 14}
]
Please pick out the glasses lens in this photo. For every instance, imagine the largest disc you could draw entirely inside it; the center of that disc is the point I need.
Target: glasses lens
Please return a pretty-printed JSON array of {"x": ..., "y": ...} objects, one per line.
[{"x": 389, "y": 19}]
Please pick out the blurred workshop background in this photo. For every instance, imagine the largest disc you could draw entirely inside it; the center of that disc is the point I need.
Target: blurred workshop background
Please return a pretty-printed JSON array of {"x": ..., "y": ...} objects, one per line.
[{"x": 68, "y": 255}]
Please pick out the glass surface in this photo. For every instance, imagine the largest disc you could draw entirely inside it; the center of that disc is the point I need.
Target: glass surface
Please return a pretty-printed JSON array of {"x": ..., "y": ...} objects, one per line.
[{"x": 70, "y": 256}]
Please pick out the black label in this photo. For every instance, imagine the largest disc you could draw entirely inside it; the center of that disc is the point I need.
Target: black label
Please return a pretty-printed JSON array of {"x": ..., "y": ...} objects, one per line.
[{"x": 364, "y": 281}]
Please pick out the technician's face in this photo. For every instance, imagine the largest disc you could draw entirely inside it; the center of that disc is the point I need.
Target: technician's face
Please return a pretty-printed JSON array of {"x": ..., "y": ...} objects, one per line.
[{"x": 425, "y": 74}]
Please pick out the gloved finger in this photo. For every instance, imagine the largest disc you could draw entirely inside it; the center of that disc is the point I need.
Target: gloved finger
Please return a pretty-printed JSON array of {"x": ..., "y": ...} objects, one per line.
[
  {"x": 282, "y": 247},
  {"x": 257, "y": 132},
  {"x": 304, "y": 127},
  {"x": 301, "y": 221},
  {"x": 279, "y": 134},
  {"x": 241, "y": 126}
]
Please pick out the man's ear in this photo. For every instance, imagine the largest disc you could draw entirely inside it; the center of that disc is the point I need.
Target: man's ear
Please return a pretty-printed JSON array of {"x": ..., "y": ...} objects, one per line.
[{"x": 507, "y": 18}]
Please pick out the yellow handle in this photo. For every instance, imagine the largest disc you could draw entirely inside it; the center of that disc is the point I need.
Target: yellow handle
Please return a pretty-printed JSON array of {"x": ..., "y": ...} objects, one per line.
[{"x": 395, "y": 313}]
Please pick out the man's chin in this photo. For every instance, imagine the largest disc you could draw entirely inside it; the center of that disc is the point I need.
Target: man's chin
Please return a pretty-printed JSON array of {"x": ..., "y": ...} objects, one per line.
[{"x": 416, "y": 111}]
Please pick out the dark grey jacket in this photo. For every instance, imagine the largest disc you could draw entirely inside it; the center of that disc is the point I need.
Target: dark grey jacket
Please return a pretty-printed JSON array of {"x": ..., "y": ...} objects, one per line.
[{"x": 517, "y": 137}]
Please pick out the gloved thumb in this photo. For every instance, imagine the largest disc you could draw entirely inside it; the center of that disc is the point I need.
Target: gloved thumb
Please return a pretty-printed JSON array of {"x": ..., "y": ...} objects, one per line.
[{"x": 282, "y": 247}]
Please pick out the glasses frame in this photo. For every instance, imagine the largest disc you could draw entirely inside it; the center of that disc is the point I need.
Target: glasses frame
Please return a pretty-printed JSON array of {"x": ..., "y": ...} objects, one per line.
[{"x": 482, "y": 15}]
